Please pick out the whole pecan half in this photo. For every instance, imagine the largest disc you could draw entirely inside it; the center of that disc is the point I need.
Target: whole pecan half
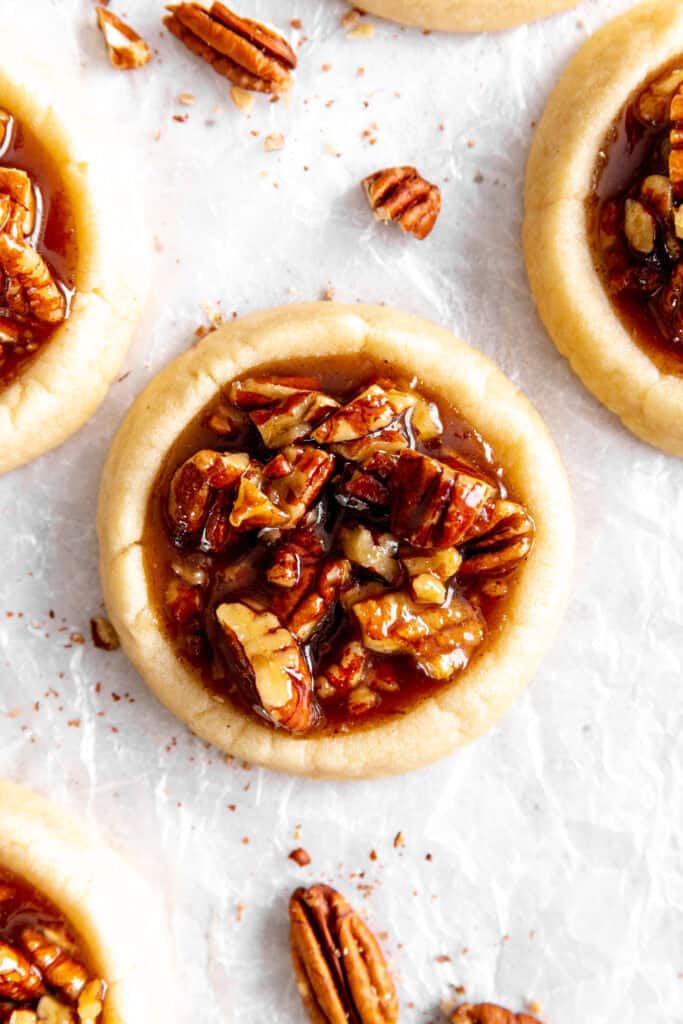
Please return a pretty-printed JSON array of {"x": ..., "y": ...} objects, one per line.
[
  {"x": 341, "y": 972},
  {"x": 247, "y": 53},
  {"x": 403, "y": 195},
  {"x": 488, "y": 1013}
]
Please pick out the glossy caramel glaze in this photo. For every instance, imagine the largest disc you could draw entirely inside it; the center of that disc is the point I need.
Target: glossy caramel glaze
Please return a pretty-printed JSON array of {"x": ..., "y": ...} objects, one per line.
[{"x": 200, "y": 646}]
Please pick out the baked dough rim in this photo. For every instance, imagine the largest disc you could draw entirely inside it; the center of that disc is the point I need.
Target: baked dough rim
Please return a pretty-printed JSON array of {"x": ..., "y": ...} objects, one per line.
[
  {"x": 459, "y": 712},
  {"x": 464, "y": 15},
  {"x": 117, "y": 915},
  {"x": 583, "y": 106},
  {"x": 59, "y": 390}
]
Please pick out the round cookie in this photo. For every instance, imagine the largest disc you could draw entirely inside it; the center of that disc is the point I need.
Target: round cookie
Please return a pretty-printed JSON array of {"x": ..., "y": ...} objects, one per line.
[
  {"x": 64, "y": 382},
  {"x": 569, "y": 293},
  {"x": 465, "y": 15},
  {"x": 113, "y": 912},
  {"x": 461, "y": 710}
]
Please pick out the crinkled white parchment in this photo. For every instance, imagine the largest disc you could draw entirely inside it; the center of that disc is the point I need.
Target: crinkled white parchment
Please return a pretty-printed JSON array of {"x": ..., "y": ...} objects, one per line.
[{"x": 542, "y": 863}]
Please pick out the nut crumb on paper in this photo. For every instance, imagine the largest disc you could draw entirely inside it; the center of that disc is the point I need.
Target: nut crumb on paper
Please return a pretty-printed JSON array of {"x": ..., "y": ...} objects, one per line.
[
  {"x": 365, "y": 30},
  {"x": 242, "y": 99},
  {"x": 300, "y": 856},
  {"x": 273, "y": 142},
  {"x": 399, "y": 841}
]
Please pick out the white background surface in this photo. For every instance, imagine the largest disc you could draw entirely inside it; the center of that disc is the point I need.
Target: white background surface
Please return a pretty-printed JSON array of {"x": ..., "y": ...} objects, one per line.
[{"x": 556, "y": 840}]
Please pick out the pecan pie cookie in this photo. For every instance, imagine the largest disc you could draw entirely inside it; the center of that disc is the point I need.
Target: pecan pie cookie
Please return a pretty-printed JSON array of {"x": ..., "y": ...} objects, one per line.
[
  {"x": 312, "y": 554},
  {"x": 80, "y": 935},
  {"x": 603, "y": 229},
  {"x": 464, "y": 15},
  {"x": 69, "y": 295}
]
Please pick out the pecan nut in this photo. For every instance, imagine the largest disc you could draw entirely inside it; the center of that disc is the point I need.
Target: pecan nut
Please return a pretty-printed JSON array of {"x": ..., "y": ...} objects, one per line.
[
  {"x": 127, "y": 49},
  {"x": 20, "y": 980},
  {"x": 271, "y": 671},
  {"x": 500, "y": 540},
  {"x": 59, "y": 967},
  {"x": 341, "y": 973},
  {"x": 194, "y": 484},
  {"x": 489, "y": 1013},
  {"x": 29, "y": 272},
  {"x": 247, "y": 53},
  {"x": 439, "y": 639},
  {"x": 403, "y": 195},
  {"x": 676, "y": 140},
  {"x": 372, "y": 410}
]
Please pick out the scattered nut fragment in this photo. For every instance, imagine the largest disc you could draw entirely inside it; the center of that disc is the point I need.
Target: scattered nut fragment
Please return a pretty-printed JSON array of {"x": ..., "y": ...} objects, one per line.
[
  {"x": 300, "y": 856},
  {"x": 401, "y": 194},
  {"x": 639, "y": 226},
  {"x": 127, "y": 50},
  {"x": 339, "y": 966},
  {"x": 247, "y": 53},
  {"x": 103, "y": 634},
  {"x": 488, "y": 1013},
  {"x": 273, "y": 142},
  {"x": 242, "y": 98}
]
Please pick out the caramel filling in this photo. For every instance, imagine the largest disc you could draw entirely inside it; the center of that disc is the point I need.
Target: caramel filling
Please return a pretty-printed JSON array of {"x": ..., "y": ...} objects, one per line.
[
  {"x": 37, "y": 248},
  {"x": 635, "y": 216},
  {"x": 44, "y": 971},
  {"x": 331, "y": 545}
]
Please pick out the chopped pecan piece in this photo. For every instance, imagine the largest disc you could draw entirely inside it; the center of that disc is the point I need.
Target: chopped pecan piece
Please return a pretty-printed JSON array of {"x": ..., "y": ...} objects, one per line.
[
  {"x": 443, "y": 564},
  {"x": 340, "y": 969},
  {"x": 403, "y": 195},
  {"x": 103, "y": 634},
  {"x": 363, "y": 492},
  {"x": 262, "y": 392},
  {"x": 193, "y": 484},
  {"x": 433, "y": 505},
  {"x": 20, "y": 979},
  {"x": 17, "y": 203},
  {"x": 295, "y": 478},
  {"x": 425, "y": 421},
  {"x": 247, "y": 53},
  {"x": 440, "y": 639},
  {"x": 293, "y": 418},
  {"x": 389, "y": 441},
  {"x": 372, "y": 410},
  {"x": 427, "y": 588},
  {"x": 285, "y": 567},
  {"x": 271, "y": 670},
  {"x": 20, "y": 262},
  {"x": 91, "y": 1000},
  {"x": 371, "y": 550},
  {"x": 6, "y": 130},
  {"x": 21, "y": 1017},
  {"x": 348, "y": 672},
  {"x": 184, "y": 603},
  {"x": 60, "y": 969},
  {"x": 652, "y": 107},
  {"x": 252, "y": 508},
  {"x": 676, "y": 140},
  {"x": 500, "y": 540},
  {"x": 52, "y": 1011},
  {"x": 640, "y": 227},
  {"x": 488, "y": 1013},
  {"x": 319, "y": 604},
  {"x": 127, "y": 50}
]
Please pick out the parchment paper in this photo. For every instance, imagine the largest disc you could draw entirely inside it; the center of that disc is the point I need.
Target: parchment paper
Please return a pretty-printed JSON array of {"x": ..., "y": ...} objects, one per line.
[{"x": 544, "y": 862}]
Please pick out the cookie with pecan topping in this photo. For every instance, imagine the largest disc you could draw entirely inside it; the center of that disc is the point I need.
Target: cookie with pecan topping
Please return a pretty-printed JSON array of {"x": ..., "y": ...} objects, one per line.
[
  {"x": 603, "y": 229},
  {"x": 335, "y": 558}
]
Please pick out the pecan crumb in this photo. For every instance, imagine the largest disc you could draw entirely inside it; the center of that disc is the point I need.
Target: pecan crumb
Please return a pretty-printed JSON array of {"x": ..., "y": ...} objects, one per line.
[
  {"x": 187, "y": 99},
  {"x": 295, "y": 23},
  {"x": 77, "y": 638},
  {"x": 127, "y": 50},
  {"x": 399, "y": 841},
  {"x": 350, "y": 18},
  {"x": 103, "y": 634},
  {"x": 328, "y": 293},
  {"x": 300, "y": 856},
  {"x": 273, "y": 142},
  {"x": 364, "y": 31},
  {"x": 242, "y": 98}
]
